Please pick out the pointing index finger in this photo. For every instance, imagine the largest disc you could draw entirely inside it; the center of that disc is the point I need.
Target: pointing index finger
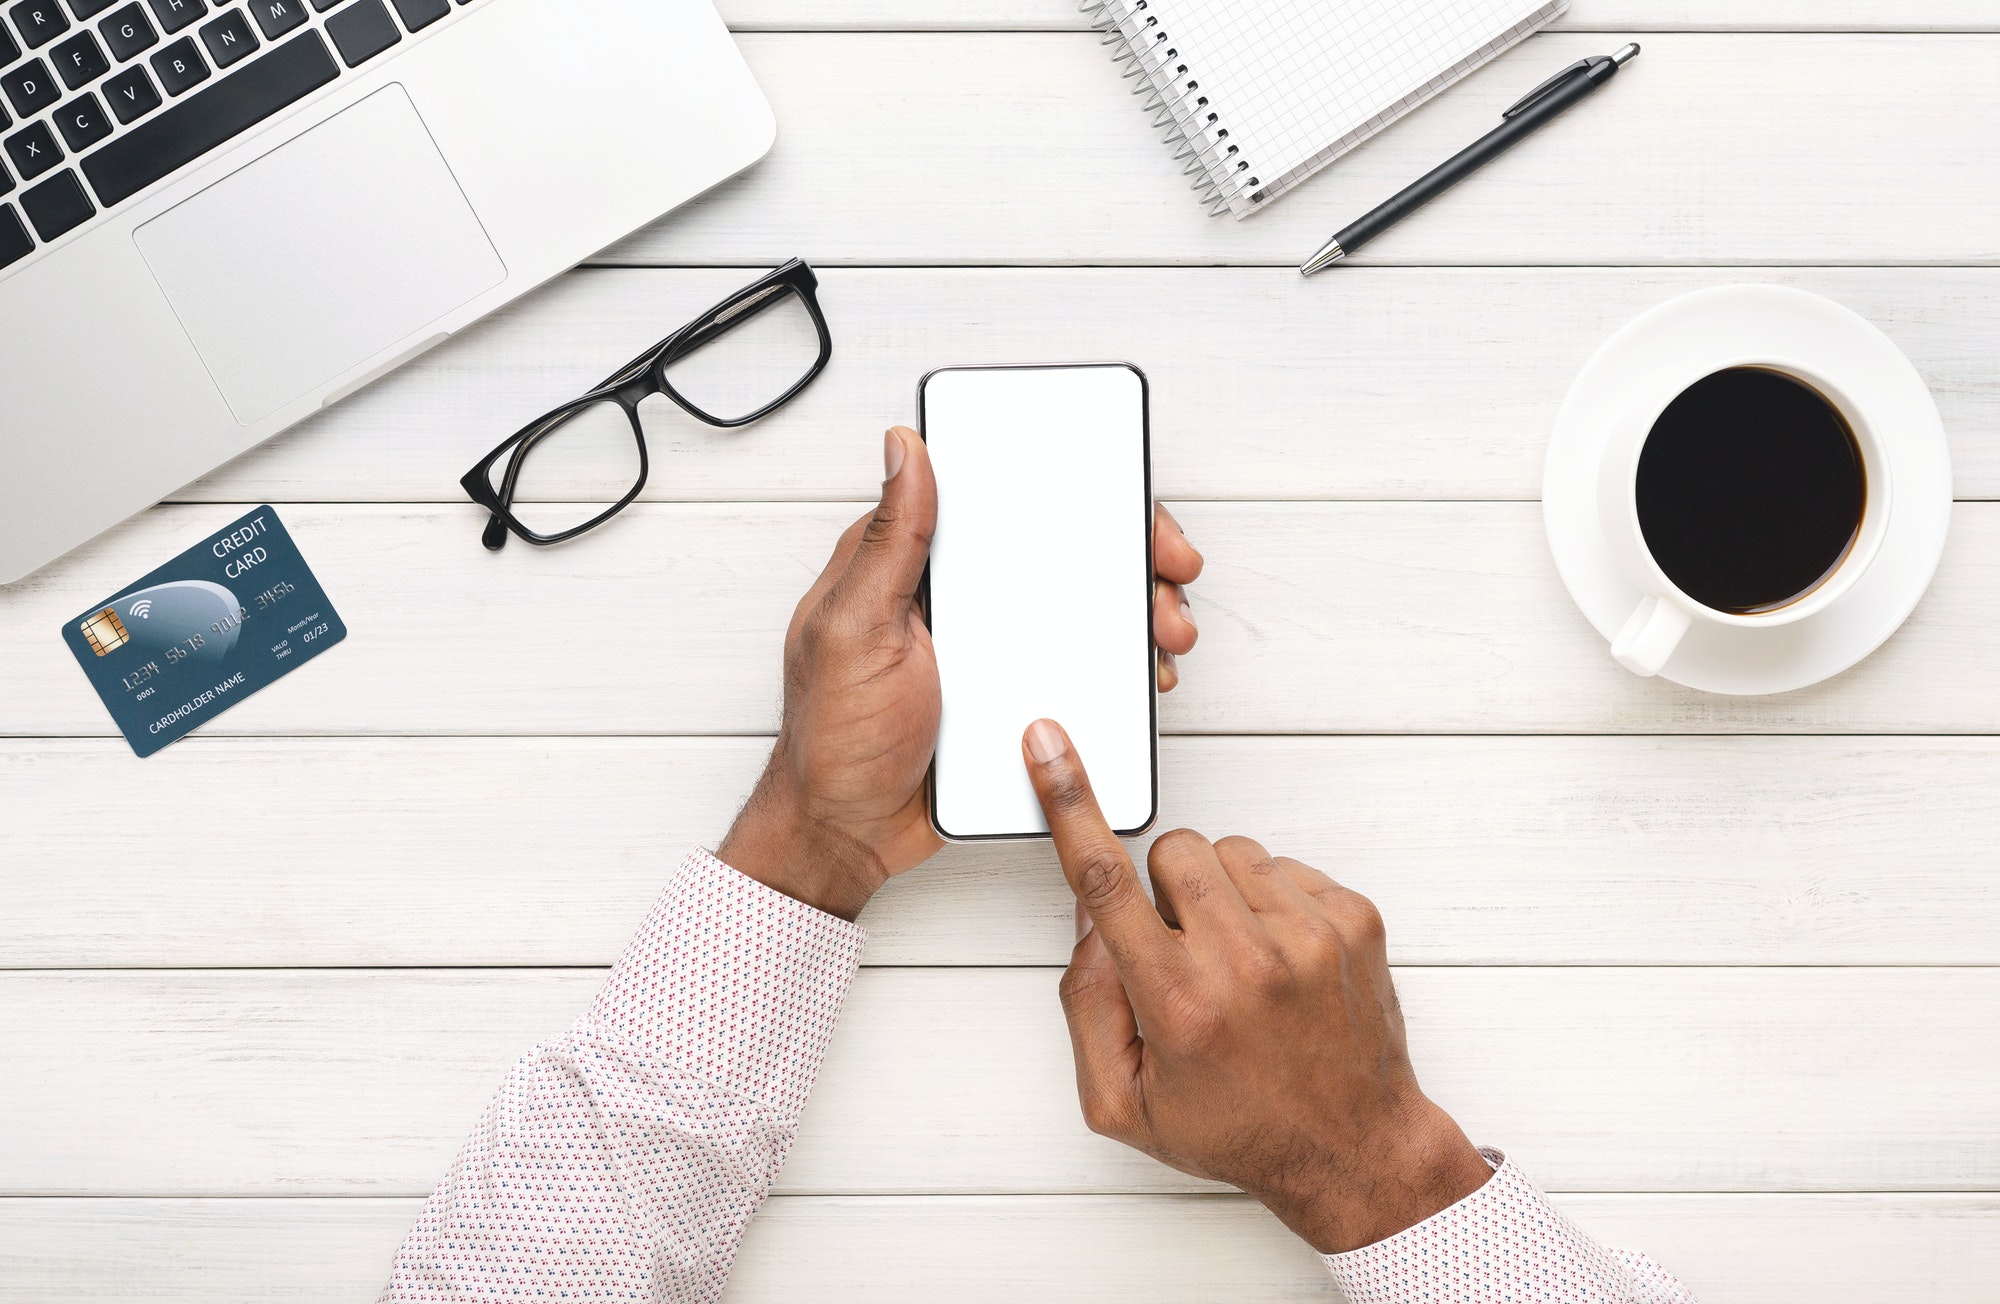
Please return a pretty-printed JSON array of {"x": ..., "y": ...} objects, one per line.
[{"x": 1094, "y": 861}]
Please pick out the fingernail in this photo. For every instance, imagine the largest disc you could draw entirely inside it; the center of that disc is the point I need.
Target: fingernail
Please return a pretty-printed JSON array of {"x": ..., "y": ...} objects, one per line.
[
  {"x": 1170, "y": 668},
  {"x": 892, "y": 455},
  {"x": 1083, "y": 922},
  {"x": 1187, "y": 612},
  {"x": 1045, "y": 741}
]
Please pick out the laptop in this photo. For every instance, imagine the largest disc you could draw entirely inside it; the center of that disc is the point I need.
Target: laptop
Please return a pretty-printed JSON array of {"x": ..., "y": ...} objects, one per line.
[{"x": 217, "y": 218}]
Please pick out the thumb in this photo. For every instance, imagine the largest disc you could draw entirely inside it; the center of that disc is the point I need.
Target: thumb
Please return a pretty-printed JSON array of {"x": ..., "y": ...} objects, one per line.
[
  {"x": 888, "y": 563},
  {"x": 1104, "y": 1035}
]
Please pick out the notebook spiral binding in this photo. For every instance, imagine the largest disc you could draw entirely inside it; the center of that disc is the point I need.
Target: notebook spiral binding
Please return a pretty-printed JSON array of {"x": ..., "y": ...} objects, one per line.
[{"x": 1191, "y": 127}]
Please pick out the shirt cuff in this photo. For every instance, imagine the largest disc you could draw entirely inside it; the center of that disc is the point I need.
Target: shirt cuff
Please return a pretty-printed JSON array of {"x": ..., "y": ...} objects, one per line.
[
  {"x": 737, "y": 984},
  {"x": 1504, "y": 1242}
]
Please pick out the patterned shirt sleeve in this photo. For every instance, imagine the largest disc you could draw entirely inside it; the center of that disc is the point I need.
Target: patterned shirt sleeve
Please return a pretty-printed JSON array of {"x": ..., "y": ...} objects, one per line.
[
  {"x": 1503, "y": 1244},
  {"x": 622, "y": 1161}
]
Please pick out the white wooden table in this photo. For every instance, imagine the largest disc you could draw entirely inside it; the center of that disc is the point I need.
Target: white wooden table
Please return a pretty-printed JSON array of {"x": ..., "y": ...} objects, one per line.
[{"x": 1720, "y": 972}]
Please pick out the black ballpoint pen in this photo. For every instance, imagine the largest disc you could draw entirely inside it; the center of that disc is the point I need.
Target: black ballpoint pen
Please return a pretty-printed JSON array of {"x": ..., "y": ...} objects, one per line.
[{"x": 1541, "y": 105}]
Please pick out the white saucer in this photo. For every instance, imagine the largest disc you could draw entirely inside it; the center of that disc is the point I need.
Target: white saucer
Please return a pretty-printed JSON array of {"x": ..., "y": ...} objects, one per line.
[{"x": 1706, "y": 330}]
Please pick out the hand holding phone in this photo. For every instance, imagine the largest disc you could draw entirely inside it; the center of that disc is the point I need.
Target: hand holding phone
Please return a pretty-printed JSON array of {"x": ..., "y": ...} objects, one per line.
[{"x": 841, "y": 806}]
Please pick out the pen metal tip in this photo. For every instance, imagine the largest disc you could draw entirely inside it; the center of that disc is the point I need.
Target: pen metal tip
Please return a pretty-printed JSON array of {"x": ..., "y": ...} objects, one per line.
[
  {"x": 1329, "y": 254},
  {"x": 1625, "y": 54}
]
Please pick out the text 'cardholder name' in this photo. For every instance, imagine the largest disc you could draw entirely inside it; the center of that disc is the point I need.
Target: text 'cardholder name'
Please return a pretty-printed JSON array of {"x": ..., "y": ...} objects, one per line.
[{"x": 185, "y": 643}]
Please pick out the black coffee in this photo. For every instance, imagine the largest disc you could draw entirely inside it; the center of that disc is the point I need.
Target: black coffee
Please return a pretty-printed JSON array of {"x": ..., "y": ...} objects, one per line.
[{"x": 1751, "y": 490}]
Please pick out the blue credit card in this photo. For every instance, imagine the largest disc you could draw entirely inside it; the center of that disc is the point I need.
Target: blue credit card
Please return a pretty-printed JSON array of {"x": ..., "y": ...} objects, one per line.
[{"x": 187, "y": 642}]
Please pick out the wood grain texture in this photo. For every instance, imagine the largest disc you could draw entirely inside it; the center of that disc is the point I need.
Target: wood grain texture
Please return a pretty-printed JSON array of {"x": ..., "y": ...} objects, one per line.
[
  {"x": 1610, "y": 851},
  {"x": 1315, "y": 618},
  {"x": 364, "y": 1082},
  {"x": 1396, "y": 383},
  {"x": 1730, "y": 1249},
  {"x": 983, "y": 149},
  {"x": 1583, "y": 15}
]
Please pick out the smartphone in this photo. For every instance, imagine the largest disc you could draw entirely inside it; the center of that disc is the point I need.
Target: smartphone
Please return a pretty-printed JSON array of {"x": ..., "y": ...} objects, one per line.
[{"x": 1040, "y": 588}]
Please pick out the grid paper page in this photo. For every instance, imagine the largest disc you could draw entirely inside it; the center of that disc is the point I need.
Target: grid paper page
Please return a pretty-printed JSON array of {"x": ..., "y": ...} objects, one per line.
[{"x": 1291, "y": 78}]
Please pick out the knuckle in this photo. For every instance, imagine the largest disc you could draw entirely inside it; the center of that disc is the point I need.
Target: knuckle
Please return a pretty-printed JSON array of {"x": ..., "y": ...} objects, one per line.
[
  {"x": 1318, "y": 951},
  {"x": 884, "y": 523},
  {"x": 1101, "y": 876},
  {"x": 1359, "y": 919},
  {"x": 810, "y": 624},
  {"x": 1263, "y": 973},
  {"x": 1079, "y": 984},
  {"x": 1105, "y": 1115},
  {"x": 1176, "y": 845},
  {"x": 1321, "y": 938}
]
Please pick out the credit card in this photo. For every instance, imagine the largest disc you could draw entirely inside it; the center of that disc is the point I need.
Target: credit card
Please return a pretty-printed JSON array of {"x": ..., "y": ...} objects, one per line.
[{"x": 184, "y": 644}]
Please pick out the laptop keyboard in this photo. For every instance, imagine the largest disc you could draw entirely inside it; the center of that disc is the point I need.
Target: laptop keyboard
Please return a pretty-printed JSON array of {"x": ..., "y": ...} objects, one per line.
[{"x": 99, "y": 99}]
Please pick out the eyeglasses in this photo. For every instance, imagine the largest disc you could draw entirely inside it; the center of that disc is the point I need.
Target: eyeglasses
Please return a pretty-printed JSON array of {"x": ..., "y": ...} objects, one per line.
[{"x": 741, "y": 360}]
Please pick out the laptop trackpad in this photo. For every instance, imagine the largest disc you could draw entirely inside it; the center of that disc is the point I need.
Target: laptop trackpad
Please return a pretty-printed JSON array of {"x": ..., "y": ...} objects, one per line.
[{"x": 321, "y": 254}]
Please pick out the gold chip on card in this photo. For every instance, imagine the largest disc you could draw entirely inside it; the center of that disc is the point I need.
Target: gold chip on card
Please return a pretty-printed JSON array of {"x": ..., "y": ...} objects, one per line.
[{"x": 105, "y": 632}]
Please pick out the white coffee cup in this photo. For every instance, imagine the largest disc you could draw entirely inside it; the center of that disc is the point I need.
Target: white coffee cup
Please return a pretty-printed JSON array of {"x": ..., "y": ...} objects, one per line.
[{"x": 1665, "y": 614}]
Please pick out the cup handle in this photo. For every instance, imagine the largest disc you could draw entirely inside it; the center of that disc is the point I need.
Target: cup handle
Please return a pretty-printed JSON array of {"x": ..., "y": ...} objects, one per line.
[{"x": 1650, "y": 636}]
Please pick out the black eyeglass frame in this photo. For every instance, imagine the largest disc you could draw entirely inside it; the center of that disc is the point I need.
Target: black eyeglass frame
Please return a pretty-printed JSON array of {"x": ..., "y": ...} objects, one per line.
[{"x": 634, "y": 383}]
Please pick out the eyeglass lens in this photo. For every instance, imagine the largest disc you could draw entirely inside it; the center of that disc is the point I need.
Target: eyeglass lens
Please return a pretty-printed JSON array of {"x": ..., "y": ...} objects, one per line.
[
  {"x": 767, "y": 345},
  {"x": 573, "y": 469}
]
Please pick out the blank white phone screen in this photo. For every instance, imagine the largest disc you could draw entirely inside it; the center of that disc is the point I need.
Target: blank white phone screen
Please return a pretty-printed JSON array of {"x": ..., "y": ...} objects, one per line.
[{"x": 1040, "y": 587}]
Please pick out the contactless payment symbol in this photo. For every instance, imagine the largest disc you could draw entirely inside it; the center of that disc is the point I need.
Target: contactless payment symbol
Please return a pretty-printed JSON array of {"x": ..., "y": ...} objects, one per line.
[{"x": 105, "y": 632}]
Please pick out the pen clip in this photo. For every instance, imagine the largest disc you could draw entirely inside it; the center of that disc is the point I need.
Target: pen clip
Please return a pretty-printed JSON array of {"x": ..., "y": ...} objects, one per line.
[{"x": 1581, "y": 65}]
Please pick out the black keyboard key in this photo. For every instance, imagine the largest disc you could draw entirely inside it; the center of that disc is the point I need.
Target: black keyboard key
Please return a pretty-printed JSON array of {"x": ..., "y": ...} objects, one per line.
[
  {"x": 6, "y": 181},
  {"x": 83, "y": 122},
  {"x": 180, "y": 66},
  {"x": 129, "y": 31},
  {"x": 323, "y": 5},
  {"x": 419, "y": 14},
  {"x": 30, "y": 88},
  {"x": 80, "y": 60},
  {"x": 176, "y": 14},
  {"x": 33, "y": 150},
  {"x": 90, "y": 8},
  {"x": 15, "y": 242},
  {"x": 57, "y": 205},
  {"x": 131, "y": 95},
  {"x": 229, "y": 38},
  {"x": 8, "y": 50},
  {"x": 362, "y": 31},
  {"x": 277, "y": 17},
  {"x": 39, "y": 21},
  {"x": 206, "y": 119}
]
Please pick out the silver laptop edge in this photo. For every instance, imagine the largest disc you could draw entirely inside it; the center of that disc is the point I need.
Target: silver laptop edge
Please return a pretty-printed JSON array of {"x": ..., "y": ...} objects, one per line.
[{"x": 405, "y": 200}]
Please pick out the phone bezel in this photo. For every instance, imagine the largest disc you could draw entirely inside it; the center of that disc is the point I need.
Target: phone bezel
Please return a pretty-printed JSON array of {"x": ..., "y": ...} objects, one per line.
[{"x": 1152, "y": 667}]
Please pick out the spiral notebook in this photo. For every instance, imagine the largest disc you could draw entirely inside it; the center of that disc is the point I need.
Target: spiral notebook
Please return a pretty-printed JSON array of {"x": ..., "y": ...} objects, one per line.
[{"x": 1257, "y": 95}]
